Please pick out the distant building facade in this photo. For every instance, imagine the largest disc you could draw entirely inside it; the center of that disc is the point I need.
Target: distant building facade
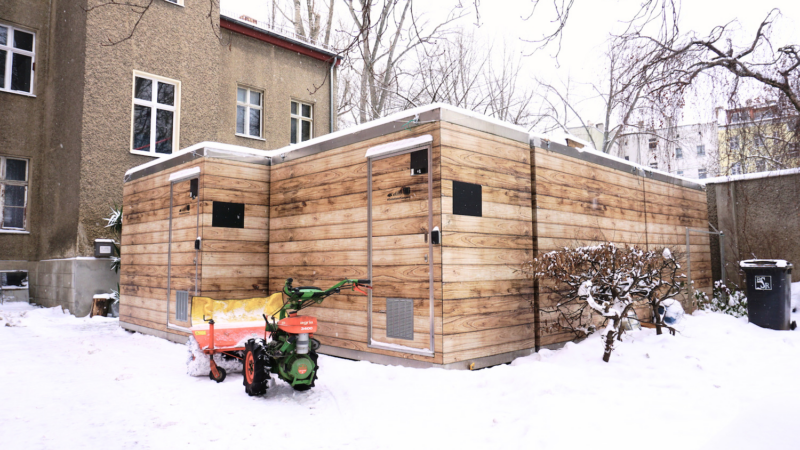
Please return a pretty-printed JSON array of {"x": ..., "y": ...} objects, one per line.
[
  {"x": 686, "y": 150},
  {"x": 79, "y": 112},
  {"x": 758, "y": 138},
  {"x": 593, "y": 134}
]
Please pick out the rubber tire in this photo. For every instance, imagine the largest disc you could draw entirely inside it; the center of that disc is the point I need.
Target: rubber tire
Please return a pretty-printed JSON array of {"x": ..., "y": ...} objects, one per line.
[
  {"x": 255, "y": 372},
  {"x": 304, "y": 387},
  {"x": 222, "y": 375}
]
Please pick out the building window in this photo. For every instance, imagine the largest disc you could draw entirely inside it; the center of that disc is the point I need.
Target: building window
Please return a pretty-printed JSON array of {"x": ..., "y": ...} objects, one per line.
[
  {"x": 627, "y": 158},
  {"x": 701, "y": 150},
  {"x": 16, "y": 60},
  {"x": 248, "y": 112},
  {"x": 302, "y": 121},
  {"x": 701, "y": 173},
  {"x": 680, "y": 173},
  {"x": 652, "y": 143},
  {"x": 761, "y": 165},
  {"x": 758, "y": 141},
  {"x": 156, "y": 114},
  {"x": 733, "y": 142},
  {"x": 736, "y": 169},
  {"x": 678, "y": 152},
  {"x": 654, "y": 165},
  {"x": 14, "y": 195}
]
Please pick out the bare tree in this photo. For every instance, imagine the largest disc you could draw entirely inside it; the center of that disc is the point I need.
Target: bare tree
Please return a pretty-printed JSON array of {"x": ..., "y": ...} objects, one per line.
[
  {"x": 385, "y": 32},
  {"x": 463, "y": 72}
]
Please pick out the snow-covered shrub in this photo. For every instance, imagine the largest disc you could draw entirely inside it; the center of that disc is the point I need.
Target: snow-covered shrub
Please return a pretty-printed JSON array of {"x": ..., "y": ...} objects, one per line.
[
  {"x": 114, "y": 222},
  {"x": 729, "y": 300},
  {"x": 601, "y": 285}
]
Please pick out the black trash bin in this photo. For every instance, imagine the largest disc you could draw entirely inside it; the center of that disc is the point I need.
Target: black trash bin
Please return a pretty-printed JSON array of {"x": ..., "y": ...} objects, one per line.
[{"x": 769, "y": 292}]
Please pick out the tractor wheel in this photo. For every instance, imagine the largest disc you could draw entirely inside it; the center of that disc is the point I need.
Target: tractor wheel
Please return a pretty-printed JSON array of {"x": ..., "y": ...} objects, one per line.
[
  {"x": 222, "y": 375},
  {"x": 304, "y": 387},
  {"x": 256, "y": 371}
]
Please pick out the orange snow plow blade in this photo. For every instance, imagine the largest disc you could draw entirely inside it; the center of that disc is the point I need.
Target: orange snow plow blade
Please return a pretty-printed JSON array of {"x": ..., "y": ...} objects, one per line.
[{"x": 235, "y": 321}]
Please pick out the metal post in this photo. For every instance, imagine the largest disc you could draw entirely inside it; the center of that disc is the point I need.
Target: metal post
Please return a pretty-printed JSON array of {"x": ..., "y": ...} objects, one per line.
[
  {"x": 722, "y": 257},
  {"x": 689, "y": 289}
]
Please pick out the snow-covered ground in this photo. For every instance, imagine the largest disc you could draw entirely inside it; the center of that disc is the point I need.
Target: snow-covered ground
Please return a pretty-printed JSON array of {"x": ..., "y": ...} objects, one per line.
[{"x": 721, "y": 383}]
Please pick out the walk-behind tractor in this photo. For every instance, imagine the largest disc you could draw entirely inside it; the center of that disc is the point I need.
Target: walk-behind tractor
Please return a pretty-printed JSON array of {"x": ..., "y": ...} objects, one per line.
[{"x": 283, "y": 344}]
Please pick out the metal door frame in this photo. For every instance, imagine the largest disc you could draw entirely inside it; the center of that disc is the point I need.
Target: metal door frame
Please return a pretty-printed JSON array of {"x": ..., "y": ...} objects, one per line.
[
  {"x": 171, "y": 326},
  {"x": 385, "y": 345}
]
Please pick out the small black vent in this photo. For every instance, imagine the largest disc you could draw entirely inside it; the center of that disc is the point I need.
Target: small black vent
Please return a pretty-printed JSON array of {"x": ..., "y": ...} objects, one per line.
[
  {"x": 467, "y": 199},
  {"x": 228, "y": 215},
  {"x": 419, "y": 162}
]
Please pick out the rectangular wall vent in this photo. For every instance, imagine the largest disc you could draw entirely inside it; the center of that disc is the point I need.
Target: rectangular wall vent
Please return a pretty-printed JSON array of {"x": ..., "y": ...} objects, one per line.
[
  {"x": 400, "y": 318},
  {"x": 182, "y": 308},
  {"x": 467, "y": 199}
]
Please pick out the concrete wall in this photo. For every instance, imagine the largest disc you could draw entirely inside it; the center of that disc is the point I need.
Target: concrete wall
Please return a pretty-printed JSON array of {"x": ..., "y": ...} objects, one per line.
[
  {"x": 760, "y": 219},
  {"x": 71, "y": 283}
]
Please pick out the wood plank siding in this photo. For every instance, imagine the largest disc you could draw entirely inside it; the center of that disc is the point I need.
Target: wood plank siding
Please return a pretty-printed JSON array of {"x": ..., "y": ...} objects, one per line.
[
  {"x": 488, "y": 304},
  {"x": 583, "y": 203},
  {"x": 319, "y": 235},
  {"x": 232, "y": 262},
  {"x": 309, "y": 217}
]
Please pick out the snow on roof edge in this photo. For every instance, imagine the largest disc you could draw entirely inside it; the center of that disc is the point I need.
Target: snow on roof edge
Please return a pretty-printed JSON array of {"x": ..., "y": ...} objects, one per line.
[
  {"x": 590, "y": 149},
  {"x": 198, "y": 146},
  {"x": 395, "y": 118},
  {"x": 751, "y": 176}
]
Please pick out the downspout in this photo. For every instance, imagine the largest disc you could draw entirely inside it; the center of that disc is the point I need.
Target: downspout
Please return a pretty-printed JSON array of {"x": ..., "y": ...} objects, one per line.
[{"x": 330, "y": 101}]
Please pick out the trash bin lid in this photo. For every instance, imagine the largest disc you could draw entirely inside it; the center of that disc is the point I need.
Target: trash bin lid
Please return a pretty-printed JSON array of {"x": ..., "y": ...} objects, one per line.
[{"x": 769, "y": 263}]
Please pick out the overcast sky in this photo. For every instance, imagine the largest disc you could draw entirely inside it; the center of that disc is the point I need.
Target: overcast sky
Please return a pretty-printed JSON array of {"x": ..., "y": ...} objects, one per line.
[{"x": 589, "y": 25}]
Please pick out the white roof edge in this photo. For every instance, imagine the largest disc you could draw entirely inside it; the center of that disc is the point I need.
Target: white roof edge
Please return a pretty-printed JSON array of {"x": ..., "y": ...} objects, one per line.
[
  {"x": 238, "y": 149},
  {"x": 403, "y": 144},
  {"x": 752, "y": 176},
  {"x": 395, "y": 118}
]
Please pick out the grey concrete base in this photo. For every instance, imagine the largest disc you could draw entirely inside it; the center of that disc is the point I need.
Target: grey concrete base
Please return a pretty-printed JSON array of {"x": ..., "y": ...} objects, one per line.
[
  {"x": 179, "y": 338},
  {"x": 473, "y": 364},
  {"x": 71, "y": 283},
  {"x": 15, "y": 295}
]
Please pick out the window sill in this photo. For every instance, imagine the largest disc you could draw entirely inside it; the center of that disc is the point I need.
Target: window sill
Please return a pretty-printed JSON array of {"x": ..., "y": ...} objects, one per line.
[
  {"x": 150, "y": 154},
  {"x": 251, "y": 137},
  {"x": 14, "y": 232},
  {"x": 24, "y": 94}
]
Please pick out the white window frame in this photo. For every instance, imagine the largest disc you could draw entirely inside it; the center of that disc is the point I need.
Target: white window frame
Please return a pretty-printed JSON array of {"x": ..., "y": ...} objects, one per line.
[
  {"x": 247, "y": 105},
  {"x": 10, "y": 50},
  {"x": 300, "y": 118},
  {"x": 702, "y": 174},
  {"x": 678, "y": 153},
  {"x": 701, "y": 150},
  {"x": 4, "y": 183},
  {"x": 176, "y": 109}
]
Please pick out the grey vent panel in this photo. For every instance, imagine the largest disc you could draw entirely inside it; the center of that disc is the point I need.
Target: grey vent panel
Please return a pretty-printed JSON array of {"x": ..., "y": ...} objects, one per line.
[
  {"x": 400, "y": 318},
  {"x": 182, "y": 308}
]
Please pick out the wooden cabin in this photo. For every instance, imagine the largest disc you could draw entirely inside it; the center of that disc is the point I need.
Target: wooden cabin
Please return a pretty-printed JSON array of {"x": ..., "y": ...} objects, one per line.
[{"x": 437, "y": 206}]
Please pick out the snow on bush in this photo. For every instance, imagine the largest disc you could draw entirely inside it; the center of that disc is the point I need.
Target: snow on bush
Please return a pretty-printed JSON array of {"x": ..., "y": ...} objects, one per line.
[
  {"x": 728, "y": 300},
  {"x": 600, "y": 286}
]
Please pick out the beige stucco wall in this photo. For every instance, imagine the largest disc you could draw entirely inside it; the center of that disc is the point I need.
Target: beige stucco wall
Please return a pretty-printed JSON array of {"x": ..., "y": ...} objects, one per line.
[
  {"x": 179, "y": 43},
  {"x": 283, "y": 75},
  {"x": 21, "y": 122}
]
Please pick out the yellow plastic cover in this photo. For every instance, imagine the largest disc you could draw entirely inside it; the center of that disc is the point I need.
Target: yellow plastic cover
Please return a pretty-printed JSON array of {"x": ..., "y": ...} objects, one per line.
[{"x": 233, "y": 311}]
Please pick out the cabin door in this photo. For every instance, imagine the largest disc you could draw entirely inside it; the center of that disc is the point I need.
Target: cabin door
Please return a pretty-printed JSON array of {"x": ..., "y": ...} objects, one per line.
[
  {"x": 401, "y": 252},
  {"x": 183, "y": 267}
]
